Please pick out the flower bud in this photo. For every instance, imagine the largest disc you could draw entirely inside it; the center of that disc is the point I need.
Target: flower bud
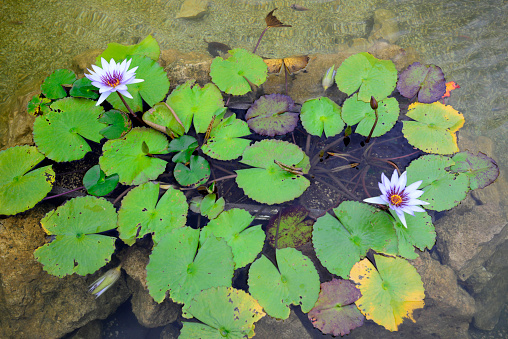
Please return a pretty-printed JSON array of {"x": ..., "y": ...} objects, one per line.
[
  {"x": 104, "y": 282},
  {"x": 329, "y": 78},
  {"x": 373, "y": 103}
]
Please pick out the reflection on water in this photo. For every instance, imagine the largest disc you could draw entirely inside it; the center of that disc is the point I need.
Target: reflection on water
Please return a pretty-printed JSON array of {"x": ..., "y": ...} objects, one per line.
[{"x": 466, "y": 38}]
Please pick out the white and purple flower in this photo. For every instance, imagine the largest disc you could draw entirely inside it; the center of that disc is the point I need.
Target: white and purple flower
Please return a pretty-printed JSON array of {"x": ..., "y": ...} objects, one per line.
[
  {"x": 398, "y": 197},
  {"x": 112, "y": 77},
  {"x": 105, "y": 281}
]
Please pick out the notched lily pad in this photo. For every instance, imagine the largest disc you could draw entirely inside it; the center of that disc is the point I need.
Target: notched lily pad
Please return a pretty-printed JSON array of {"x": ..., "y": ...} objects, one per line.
[
  {"x": 208, "y": 206},
  {"x": 196, "y": 174},
  {"x": 184, "y": 146},
  {"x": 119, "y": 124},
  {"x": 97, "y": 183},
  {"x": 425, "y": 80},
  {"x": 52, "y": 85},
  {"x": 271, "y": 115},
  {"x": 321, "y": 114},
  {"x": 294, "y": 230},
  {"x": 83, "y": 88},
  {"x": 162, "y": 119},
  {"x": 38, "y": 105},
  {"x": 146, "y": 47},
  {"x": 481, "y": 170}
]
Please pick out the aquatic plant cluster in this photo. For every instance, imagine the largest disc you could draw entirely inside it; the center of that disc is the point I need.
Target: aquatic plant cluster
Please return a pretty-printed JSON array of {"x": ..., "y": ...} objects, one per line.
[{"x": 363, "y": 245}]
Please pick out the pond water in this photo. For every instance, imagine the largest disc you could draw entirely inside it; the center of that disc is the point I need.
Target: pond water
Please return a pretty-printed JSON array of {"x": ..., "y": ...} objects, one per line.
[{"x": 467, "y": 39}]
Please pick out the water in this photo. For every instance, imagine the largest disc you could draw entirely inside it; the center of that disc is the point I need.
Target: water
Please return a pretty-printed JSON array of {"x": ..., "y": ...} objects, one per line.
[{"x": 467, "y": 39}]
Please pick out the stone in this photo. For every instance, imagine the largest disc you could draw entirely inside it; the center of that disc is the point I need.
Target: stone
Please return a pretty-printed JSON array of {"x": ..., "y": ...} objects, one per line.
[
  {"x": 290, "y": 328},
  {"x": 193, "y": 9},
  {"x": 181, "y": 67},
  {"x": 92, "y": 330},
  {"x": 385, "y": 26}
]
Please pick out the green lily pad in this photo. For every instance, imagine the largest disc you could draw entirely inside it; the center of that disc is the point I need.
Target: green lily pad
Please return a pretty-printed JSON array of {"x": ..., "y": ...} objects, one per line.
[
  {"x": 233, "y": 225},
  {"x": 296, "y": 282},
  {"x": 184, "y": 145},
  {"x": 480, "y": 169},
  {"x": 125, "y": 156},
  {"x": 210, "y": 206},
  {"x": 225, "y": 142},
  {"x": 77, "y": 248},
  {"x": 191, "y": 102},
  {"x": 152, "y": 90},
  {"x": 355, "y": 111},
  {"x": 161, "y": 118},
  {"x": 390, "y": 293},
  {"x": 142, "y": 212},
  {"x": 196, "y": 174},
  {"x": 235, "y": 74},
  {"x": 294, "y": 231},
  {"x": 38, "y": 106},
  {"x": 271, "y": 115},
  {"x": 420, "y": 233},
  {"x": 61, "y": 135},
  {"x": 343, "y": 240},
  {"x": 268, "y": 183},
  {"x": 375, "y": 78},
  {"x": 119, "y": 124},
  {"x": 83, "y": 88},
  {"x": 52, "y": 85},
  {"x": 176, "y": 265},
  {"x": 97, "y": 183},
  {"x": 234, "y": 315},
  {"x": 425, "y": 80},
  {"x": 442, "y": 189},
  {"x": 321, "y": 114},
  {"x": 434, "y": 128},
  {"x": 335, "y": 312},
  {"x": 146, "y": 47},
  {"x": 20, "y": 189}
]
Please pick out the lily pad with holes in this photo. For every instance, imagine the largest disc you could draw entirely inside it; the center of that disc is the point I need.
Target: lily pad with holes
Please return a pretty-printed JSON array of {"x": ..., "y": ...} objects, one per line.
[
  {"x": 390, "y": 293},
  {"x": 77, "y": 247},
  {"x": 119, "y": 124},
  {"x": 420, "y": 233},
  {"x": 97, "y": 183},
  {"x": 20, "y": 186},
  {"x": 296, "y": 282},
  {"x": 125, "y": 156},
  {"x": 293, "y": 229},
  {"x": 434, "y": 128},
  {"x": 193, "y": 103},
  {"x": 343, "y": 240},
  {"x": 271, "y": 115},
  {"x": 233, "y": 225},
  {"x": 268, "y": 182},
  {"x": 142, "y": 212},
  {"x": 234, "y": 314},
  {"x": 442, "y": 189},
  {"x": 425, "y": 80},
  {"x": 480, "y": 169},
  {"x": 225, "y": 142},
  {"x": 83, "y": 88},
  {"x": 374, "y": 77},
  {"x": 196, "y": 174},
  {"x": 178, "y": 266},
  {"x": 235, "y": 74},
  {"x": 162, "y": 119},
  {"x": 184, "y": 146},
  {"x": 335, "y": 312},
  {"x": 38, "y": 106},
  {"x": 321, "y": 114},
  {"x": 52, "y": 85},
  {"x": 355, "y": 111},
  {"x": 146, "y": 47},
  {"x": 61, "y": 134}
]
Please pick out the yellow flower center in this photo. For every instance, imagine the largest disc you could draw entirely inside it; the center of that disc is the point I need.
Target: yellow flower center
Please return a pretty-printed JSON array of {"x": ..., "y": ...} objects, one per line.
[
  {"x": 396, "y": 199},
  {"x": 114, "y": 82}
]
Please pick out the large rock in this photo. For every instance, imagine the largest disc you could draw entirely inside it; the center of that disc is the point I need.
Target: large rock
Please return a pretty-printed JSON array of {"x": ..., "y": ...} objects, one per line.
[
  {"x": 268, "y": 327},
  {"x": 193, "y": 9}
]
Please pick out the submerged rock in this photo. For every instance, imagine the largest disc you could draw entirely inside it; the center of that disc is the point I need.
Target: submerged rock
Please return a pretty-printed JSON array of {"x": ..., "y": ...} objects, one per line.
[{"x": 193, "y": 9}]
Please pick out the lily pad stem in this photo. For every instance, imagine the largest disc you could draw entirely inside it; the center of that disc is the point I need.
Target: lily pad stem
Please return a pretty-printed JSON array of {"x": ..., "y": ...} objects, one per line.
[
  {"x": 259, "y": 40},
  {"x": 223, "y": 178},
  {"x": 373, "y": 127},
  {"x": 129, "y": 108},
  {"x": 175, "y": 116},
  {"x": 64, "y": 193}
]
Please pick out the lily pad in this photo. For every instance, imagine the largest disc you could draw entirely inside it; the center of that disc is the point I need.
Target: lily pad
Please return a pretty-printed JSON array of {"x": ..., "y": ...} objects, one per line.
[
  {"x": 142, "y": 212},
  {"x": 233, "y": 225},
  {"x": 420, "y": 233},
  {"x": 343, "y": 240},
  {"x": 235, "y": 74},
  {"x": 119, "y": 124},
  {"x": 210, "y": 206},
  {"x": 335, "y": 312},
  {"x": 355, "y": 111},
  {"x": 38, "y": 105},
  {"x": 293, "y": 231},
  {"x": 442, "y": 189},
  {"x": 83, "y": 88},
  {"x": 434, "y": 128},
  {"x": 20, "y": 188},
  {"x": 425, "y": 80},
  {"x": 97, "y": 183},
  {"x": 52, "y": 85},
  {"x": 480, "y": 169},
  {"x": 321, "y": 114},
  {"x": 235, "y": 313},
  {"x": 193, "y": 103},
  {"x": 271, "y": 115},
  {"x": 390, "y": 293},
  {"x": 225, "y": 142},
  {"x": 176, "y": 265},
  {"x": 77, "y": 248},
  {"x": 146, "y": 47},
  {"x": 268, "y": 182},
  {"x": 61, "y": 133},
  {"x": 161, "y": 118},
  {"x": 196, "y": 174},
  {"x": 296, "y": 282},
  {"x": 374, "y": 77},
  {"x": 184, "y": 145}
]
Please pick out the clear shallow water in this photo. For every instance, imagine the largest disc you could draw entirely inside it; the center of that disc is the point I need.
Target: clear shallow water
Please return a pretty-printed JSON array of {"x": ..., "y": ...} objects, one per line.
[{"x": 466, "y": 38}]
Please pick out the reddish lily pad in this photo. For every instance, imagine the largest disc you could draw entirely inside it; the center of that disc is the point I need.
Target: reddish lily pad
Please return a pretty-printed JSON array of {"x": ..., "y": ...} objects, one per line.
[
  {"x": 271, "y": 115},
  {"x": 335, "y": 311},
  {"x": 425, "y": 80},
  {"x": 294, "y": 231},
  {"x": 481, "y": 170}
]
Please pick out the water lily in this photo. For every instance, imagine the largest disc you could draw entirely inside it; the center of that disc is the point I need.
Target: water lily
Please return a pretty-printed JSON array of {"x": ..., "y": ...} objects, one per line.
[
  {"x": 104, "y": 282},
  {"x": 113, "y": 77},
  {"x": 329, "y": 77},
  {"x": 398, "y": 197}
]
